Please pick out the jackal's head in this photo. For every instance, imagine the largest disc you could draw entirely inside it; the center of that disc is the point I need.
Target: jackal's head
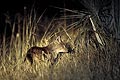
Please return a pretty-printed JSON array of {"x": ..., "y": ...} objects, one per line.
[{"x": 58, "y": 46}]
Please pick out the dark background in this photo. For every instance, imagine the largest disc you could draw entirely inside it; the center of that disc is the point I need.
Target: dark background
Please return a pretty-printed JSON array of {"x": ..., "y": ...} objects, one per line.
[{"x": 17, "y": 6}]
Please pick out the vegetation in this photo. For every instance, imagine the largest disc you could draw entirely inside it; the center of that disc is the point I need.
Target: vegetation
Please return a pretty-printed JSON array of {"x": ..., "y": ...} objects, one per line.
[{"x": 96, "y": 55}]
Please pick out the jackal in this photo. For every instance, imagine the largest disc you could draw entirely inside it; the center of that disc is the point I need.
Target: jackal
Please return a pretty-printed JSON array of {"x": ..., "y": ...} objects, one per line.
[{"x": 36, "y": 51}]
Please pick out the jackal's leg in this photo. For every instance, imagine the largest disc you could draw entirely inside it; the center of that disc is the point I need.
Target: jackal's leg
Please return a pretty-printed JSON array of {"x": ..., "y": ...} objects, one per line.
[
  {"x": 58, "y": 57},
  {"x": 44, "y": 55}
]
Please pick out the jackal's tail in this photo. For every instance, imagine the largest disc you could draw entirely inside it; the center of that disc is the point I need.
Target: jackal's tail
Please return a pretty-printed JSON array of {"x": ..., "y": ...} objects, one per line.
[{"x": 29, "y": 57}]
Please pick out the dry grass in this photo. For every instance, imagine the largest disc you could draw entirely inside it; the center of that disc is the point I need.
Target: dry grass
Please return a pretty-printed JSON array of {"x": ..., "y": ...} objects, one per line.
[{"x": 91, "y": 61}]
